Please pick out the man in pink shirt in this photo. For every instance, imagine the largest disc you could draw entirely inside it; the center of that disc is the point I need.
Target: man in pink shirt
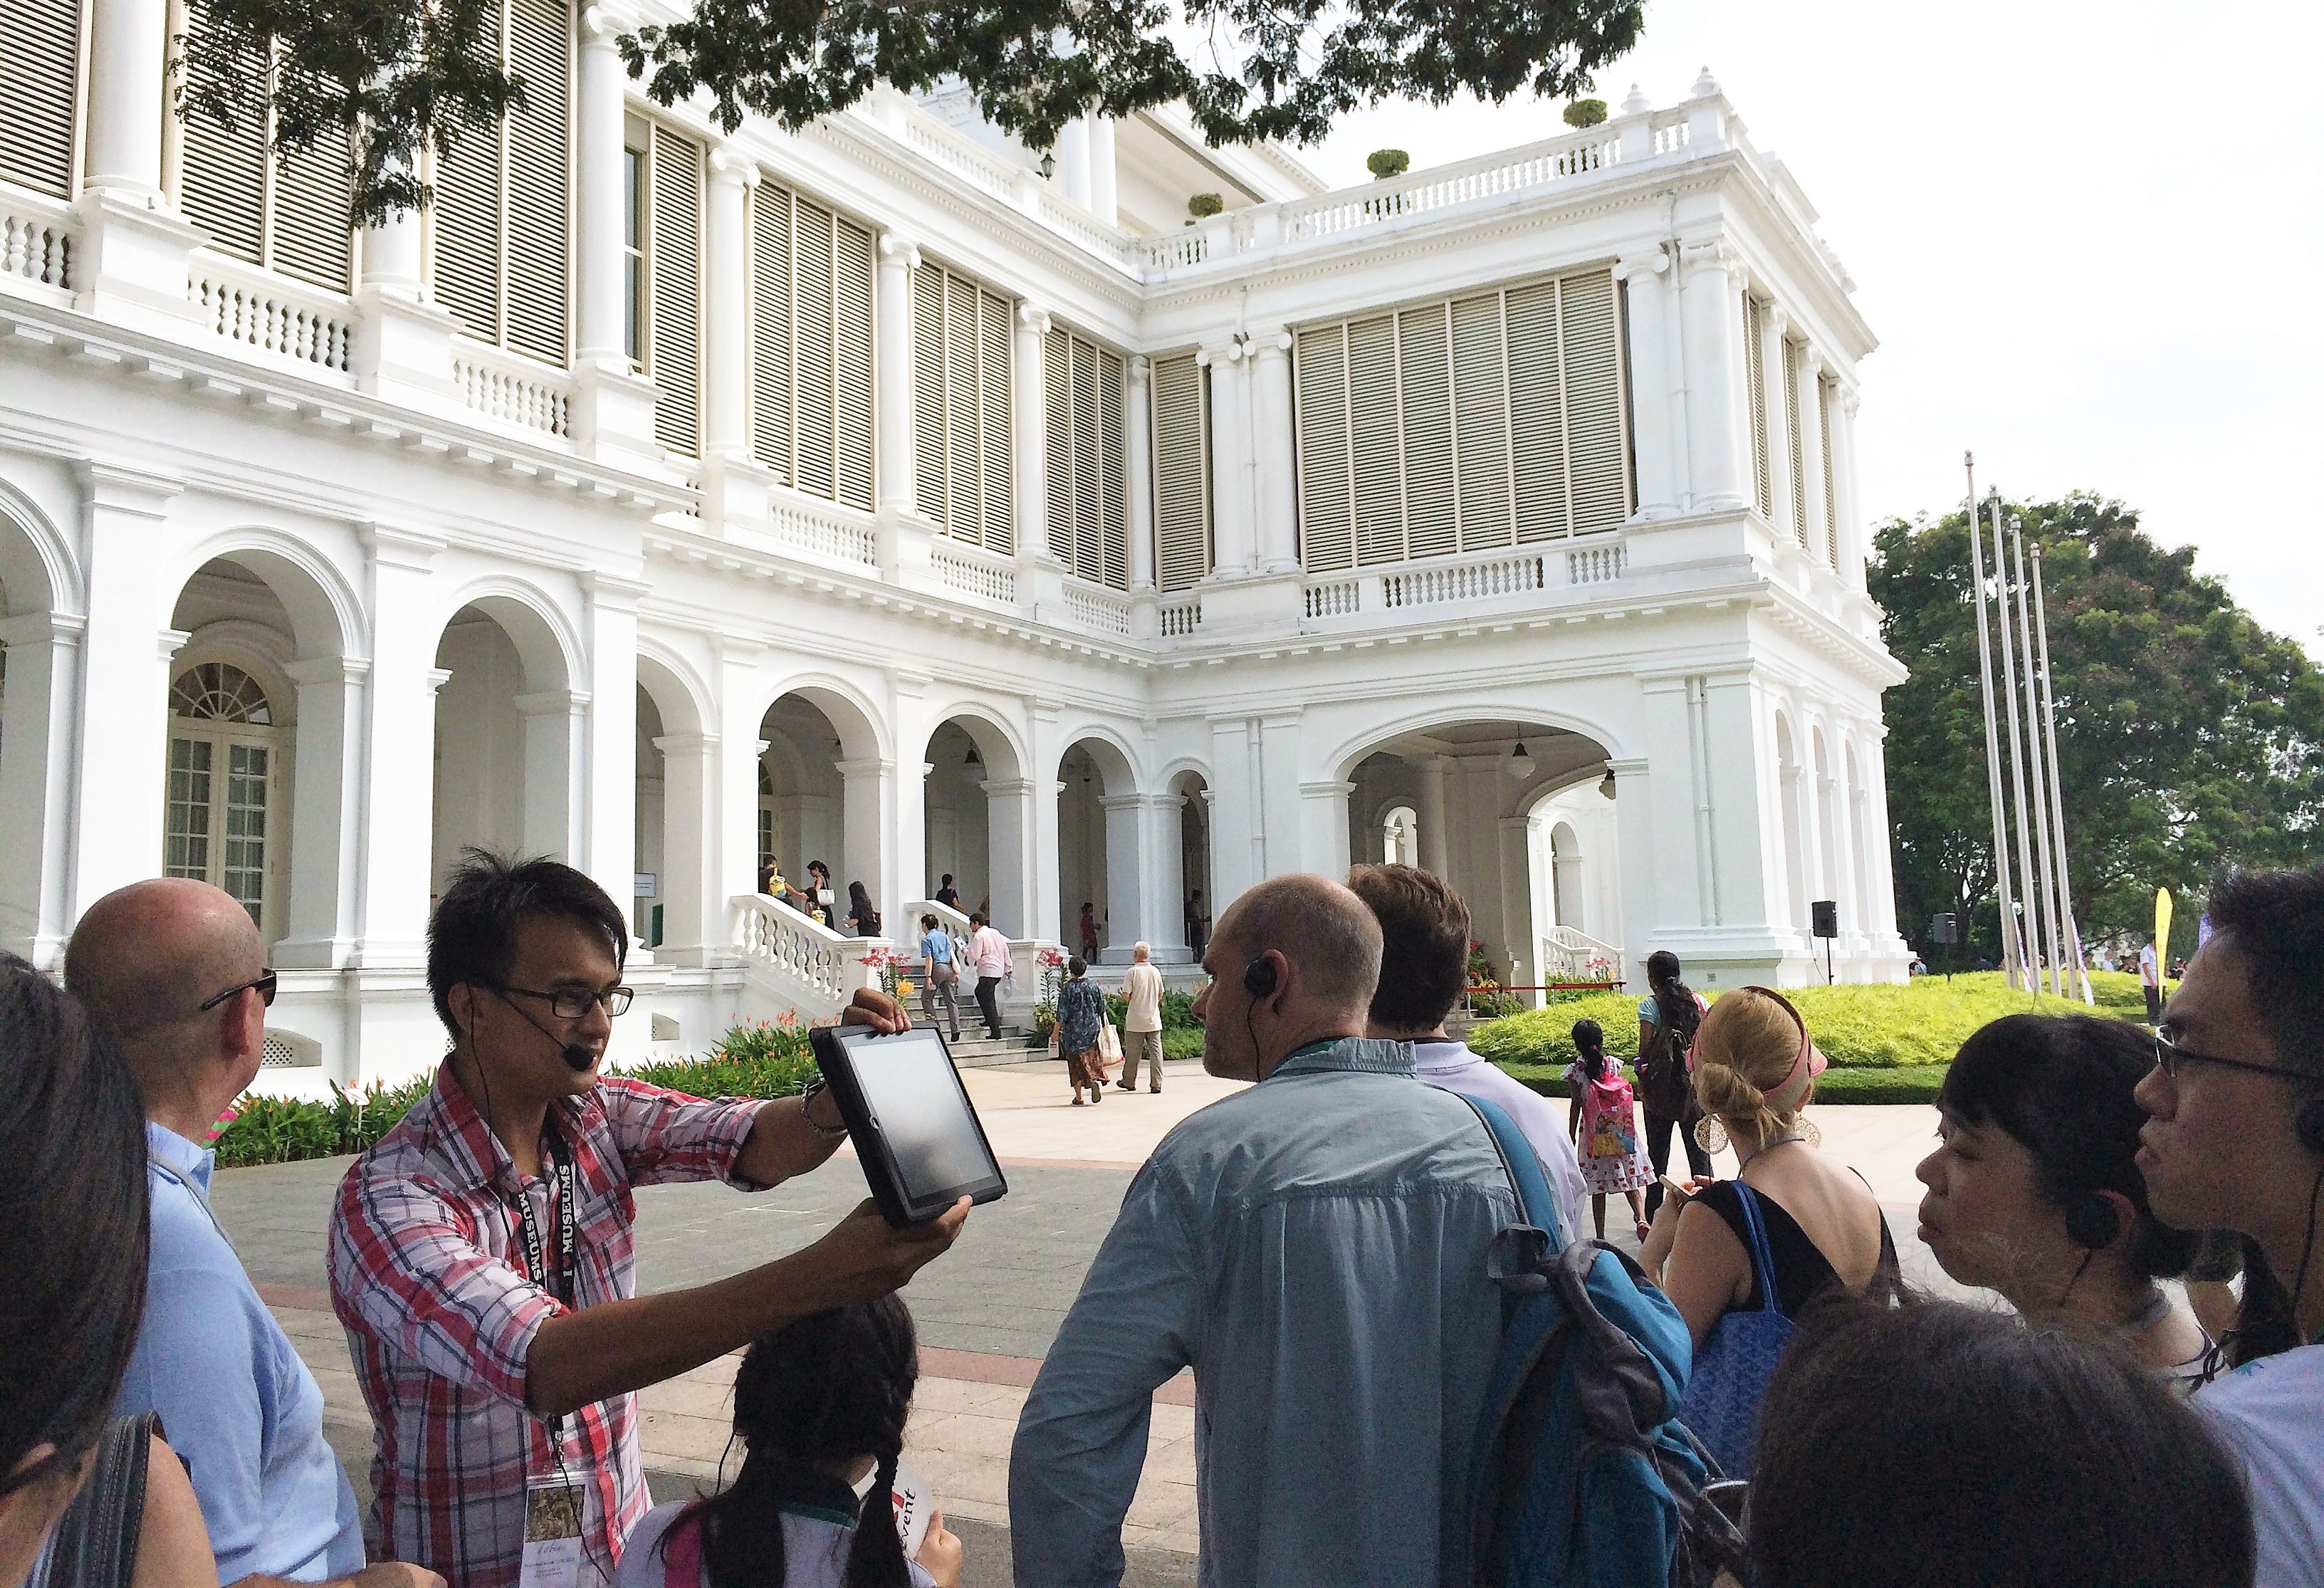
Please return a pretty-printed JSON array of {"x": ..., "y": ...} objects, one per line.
[{"x": 988, "y": 955}]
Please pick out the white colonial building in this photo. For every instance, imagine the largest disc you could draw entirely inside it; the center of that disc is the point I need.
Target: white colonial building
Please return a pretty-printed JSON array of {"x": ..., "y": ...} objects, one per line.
[{"x": 886, "y": 495}]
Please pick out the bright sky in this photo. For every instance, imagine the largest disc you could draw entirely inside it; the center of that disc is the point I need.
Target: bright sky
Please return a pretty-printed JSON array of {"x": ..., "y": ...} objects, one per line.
[{"x": 2089, "y": 236}]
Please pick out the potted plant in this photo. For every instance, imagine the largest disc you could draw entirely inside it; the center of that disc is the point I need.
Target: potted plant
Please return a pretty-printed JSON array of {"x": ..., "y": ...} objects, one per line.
[
  {"x": 1585, "y": 113},
  {"x": 1384, "y": 163}
]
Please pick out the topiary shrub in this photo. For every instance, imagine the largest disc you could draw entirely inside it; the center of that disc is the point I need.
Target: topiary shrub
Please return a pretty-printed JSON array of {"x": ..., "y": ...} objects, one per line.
[
  {"x": 1585, "y": 113},
  {"x": 1384, "y": 163},
  {"x": 1203, "y": 206}
]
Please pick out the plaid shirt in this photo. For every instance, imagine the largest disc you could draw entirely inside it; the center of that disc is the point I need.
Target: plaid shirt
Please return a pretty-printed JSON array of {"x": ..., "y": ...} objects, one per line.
[{"x": 428, "y": 1277}]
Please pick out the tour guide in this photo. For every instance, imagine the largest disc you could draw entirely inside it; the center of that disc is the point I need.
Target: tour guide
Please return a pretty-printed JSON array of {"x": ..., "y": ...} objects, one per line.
[{"x": 482, "y": 1256}]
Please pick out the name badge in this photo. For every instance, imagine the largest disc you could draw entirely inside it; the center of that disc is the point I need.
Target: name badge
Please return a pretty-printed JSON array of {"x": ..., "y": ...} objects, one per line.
[{"x": 552, "y": 1534}]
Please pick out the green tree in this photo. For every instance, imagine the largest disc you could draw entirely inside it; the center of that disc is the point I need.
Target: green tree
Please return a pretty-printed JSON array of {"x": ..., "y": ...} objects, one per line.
[
  {"x": 393, "y": 76},
  {"x": 2189, "y": 737}
]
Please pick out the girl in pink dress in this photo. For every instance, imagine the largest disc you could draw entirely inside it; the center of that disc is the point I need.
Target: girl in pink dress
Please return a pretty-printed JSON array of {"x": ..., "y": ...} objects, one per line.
[{"x": 1604, "y": 1122}]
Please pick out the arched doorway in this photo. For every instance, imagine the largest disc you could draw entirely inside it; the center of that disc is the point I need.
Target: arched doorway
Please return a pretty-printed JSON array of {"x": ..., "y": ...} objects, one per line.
[
  {"x": 825, "y": 794},
  {"x": 509, "y": 728},
  {"x": 1400, "y": 835},
  {"x": 1195, "y": 893},
  {"x": 1100, "y": 850},
  {"x": 219, "y": 818},
  {"x": 39, "y": 679},
  {"x": 676, "y": 777},
  {"x": 957, "y": 834}
]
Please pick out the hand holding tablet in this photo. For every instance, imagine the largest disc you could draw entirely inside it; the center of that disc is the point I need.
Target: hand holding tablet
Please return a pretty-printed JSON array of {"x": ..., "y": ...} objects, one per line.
[{"x": 915, "y": 1131}]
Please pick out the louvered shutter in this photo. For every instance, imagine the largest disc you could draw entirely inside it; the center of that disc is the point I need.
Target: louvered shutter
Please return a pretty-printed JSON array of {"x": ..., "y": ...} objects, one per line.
[
  {"x": 40, "y": 59},
  {"x": 1755, "y": 376},
  {"x": 1089, "y": 554},
  {"x": 538, "y": 134},
  {"x": 1374, "y": 433},
  {"x": 1536, "y": 411},
  {"x": 929, "y": 401},
  {"x": 1480, "y": 423},
  {"x": 308, "y": 233},
  {"x": 676, "y": 266},
  {"x": 1326, "y": 522},
  {"x": 1795, "y": 440},
  {"x": 466, "y": 222},
  {"x": 852, "y": 420},
  {"x": 1182, "y": 474},
  {"x": 1058, "y": 444},
  {"x": 222, "y": 174},
  {"x": 1425, "y": 352},
  {"x": 996, "y": 409},
  {"x": 963, "y": 415},
  {"x": 770, "y": 331},
  {"x": 1112, "y": 472},
  {"x": 817, "y": 381},
  {"x": 1597, "y": 451},
  {"x": 1830, "y": 501}
]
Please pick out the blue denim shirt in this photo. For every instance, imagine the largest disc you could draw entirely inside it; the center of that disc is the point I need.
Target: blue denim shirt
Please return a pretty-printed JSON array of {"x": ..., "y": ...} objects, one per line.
[
  {"x": 235, "y": 1399},
  {"x": 1314, "y": 1248}
]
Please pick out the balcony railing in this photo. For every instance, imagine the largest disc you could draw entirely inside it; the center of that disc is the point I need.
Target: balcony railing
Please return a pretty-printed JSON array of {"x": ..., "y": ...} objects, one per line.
[
  {"x": 972, "y": 571},
  {"x": 822, "y": 529},
  {"x": 1181, "y": 617},
  {"x": 1498, "y": 575},
  {"x": 511, "y": 388},
  {"x": 272, "y": 315},
  {"x": 1097, "y": 608},
  {"x": 35, "y": 241}
]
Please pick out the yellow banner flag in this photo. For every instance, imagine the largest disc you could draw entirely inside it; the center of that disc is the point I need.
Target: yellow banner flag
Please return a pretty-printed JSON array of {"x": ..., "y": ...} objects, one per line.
[{"x": 2161, "y": 932}]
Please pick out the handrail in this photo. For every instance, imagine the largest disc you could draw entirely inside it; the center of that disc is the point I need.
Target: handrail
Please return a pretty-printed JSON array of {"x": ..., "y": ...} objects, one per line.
[
  {"x": 272, "y": 313},
  {"x": 769, "y": 932},
  {"x": 954, "y": 922},
  {"x": 511, "y": 387},
  {"x": 36, "y": 240}
]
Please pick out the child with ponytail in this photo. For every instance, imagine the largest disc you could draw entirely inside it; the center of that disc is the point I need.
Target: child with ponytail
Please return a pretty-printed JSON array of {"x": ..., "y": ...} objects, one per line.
[
  {"x": 1604, "y": 1123},
  {"x": 819, "y": 1404}
]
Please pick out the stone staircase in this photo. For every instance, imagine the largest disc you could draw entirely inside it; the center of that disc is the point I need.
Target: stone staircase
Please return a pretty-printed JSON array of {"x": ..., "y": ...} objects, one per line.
[{"x": 974, "y": 1051}]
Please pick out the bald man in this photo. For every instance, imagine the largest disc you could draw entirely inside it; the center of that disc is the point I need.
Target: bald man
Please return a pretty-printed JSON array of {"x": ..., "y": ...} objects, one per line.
[
  {"x": 173, "y": 969},
  {"x": 1314, "y": 1248}
]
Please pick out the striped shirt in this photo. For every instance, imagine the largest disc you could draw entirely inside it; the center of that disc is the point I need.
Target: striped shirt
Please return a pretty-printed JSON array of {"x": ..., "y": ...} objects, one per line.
[{"x": 429, "y": 1278}]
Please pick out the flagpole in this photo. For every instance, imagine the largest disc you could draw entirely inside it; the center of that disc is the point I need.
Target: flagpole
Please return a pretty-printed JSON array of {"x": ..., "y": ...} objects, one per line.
[
  {"x": 2030, "y": 938},
  {"x": 2057, "y": 787},
  {"x": 2053, "y": 935},
  {"x": 2009, "y": 955}
]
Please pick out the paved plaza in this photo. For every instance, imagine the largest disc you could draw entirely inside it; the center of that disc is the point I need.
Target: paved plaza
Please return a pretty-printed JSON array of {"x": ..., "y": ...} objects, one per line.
[{"x": 986, "y": 1312}]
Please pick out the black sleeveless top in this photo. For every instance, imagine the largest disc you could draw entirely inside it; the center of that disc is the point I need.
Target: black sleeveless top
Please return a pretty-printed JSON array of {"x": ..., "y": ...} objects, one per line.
[{"x": 1803, "y": 1275}]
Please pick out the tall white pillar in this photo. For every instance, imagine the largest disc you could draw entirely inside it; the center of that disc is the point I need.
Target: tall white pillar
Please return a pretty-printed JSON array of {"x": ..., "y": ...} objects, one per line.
[
  {"x": 325, "y": 817},
  {"x": 1654, "y": 385},
  {"x": 1843, "y": 478},
  {"x": 1236, "y": 862},
  {"x": 1166, "y": 904},
  {"x": 399, "y": 784},
  {"x": 1104, "y": 184},
  {"x": 1641, "y": 877},
  {"x": 1518, "y": 938},
  {"x": 36, "y": 782},
  {"x": 741, "y": 708},
  {"x": 1714, "y": 385},
  {"x": 123, "y": 743},
  {"x": 128, "y": 58},
  {"x": 556, "y": 735},
  {"x": 1044, "y": 751},
  {"x": 1028, "y": 419},
  {"x": 1324, "y": 837},
  {"x": 692, "y": 912},
  {"x": 1138, "y": 452},
  {"x": 1127, "y": 841},
  {"x": 1073, "y": 162},
  {"x": 866, "y": 838},
  {"x": 892, "y": 330},
  {"x": 1435, "y": 852},
  {"x": 610, "y": 613},
  {"x": 1819, "y": 539},
  {"x": 613, "y": 404},
  {"x": 1774, "y": 333},
  {"x": 1235, "y": 552},
  {"x": 402, "y": 344},
  {"x": 1008, "y": 804},
  {"x": 725, "y": 258},
  {"x": 1272, "y": 457}
]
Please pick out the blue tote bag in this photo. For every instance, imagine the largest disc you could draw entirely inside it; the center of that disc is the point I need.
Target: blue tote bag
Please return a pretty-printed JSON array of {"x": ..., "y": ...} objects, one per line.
[{"x": 1731, "y": 1370}]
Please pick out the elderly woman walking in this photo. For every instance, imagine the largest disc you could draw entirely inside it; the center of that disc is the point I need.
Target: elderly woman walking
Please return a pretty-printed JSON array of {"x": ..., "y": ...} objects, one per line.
[{"x": 1081, "y": 1011}]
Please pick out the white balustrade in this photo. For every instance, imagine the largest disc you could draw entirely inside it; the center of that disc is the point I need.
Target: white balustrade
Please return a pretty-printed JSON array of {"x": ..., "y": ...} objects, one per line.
[
  {"x": 1594, "y": 564},
  {"x": 1181, "y": 618},
  {"x": 1463, "y": 581},
  {"x": 770, "y": 933},
  {"x": 973, "y": 571},
  {"x": 35, "y": 247},
  {"x": 1337, "y": 599},
  {"x": 1568, "y": 954},
  {"x": 273, "y": 315},
  {"x": 1095, "y": 607},
  {"x": 513, "y": 388},
  {"x": 1174, "y": 252},
  {"x": 823, "y": 531}
]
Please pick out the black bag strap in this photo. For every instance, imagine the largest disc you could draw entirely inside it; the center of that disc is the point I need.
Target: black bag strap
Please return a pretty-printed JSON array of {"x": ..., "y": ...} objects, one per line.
[{"x": 95, "y": 1544}]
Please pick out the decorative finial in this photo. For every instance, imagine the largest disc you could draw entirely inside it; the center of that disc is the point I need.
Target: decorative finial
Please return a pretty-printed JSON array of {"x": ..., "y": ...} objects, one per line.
[
  {"x": 1705, "y": 86},
  {"x": 1636, "y": 104}
]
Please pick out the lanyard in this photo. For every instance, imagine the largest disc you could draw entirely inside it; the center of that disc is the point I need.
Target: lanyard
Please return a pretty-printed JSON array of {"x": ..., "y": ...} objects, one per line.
[{"x": 560, "y": 1284}]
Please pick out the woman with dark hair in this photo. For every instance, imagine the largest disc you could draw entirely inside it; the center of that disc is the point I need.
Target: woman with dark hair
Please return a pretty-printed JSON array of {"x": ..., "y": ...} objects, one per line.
[
  {"x": 2000, "y": 1454},
  {"x": 72, "y": 1288},
  {"x": 1604, "y": 1121},
  {"x": 2035, "y": 1189},
  {"x": 862, "y": 921},
  {"x": 819, "y": 1405},
  {"x": 1668, "y": 1017}
]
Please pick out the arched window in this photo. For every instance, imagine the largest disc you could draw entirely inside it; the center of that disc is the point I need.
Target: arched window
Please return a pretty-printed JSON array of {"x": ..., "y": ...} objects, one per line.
[
  {"x": 223, "y": 742},
  {"x": 1400, "y": 836}
]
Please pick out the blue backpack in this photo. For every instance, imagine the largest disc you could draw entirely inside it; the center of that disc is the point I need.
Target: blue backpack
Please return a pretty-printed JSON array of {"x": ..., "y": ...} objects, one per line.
[{"x": 1581, "y": 1476}]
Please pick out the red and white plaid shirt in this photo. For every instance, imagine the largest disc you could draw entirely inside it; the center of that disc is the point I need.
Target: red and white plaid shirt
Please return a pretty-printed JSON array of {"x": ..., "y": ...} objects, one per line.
[{"x": 428, "y": 1277}]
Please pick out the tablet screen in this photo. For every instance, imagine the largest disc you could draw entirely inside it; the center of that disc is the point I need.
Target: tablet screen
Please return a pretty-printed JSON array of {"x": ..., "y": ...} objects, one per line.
[{"x": 911, "y": 1088}]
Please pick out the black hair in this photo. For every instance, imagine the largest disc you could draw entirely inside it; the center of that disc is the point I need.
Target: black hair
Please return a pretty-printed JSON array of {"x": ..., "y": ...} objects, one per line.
[
  {"x": 1676, "y": 1010},
  {"x": 929, "y": 923},
  {"x": 829, "y": 1388},
  {"x": 471, "y": 936},
  {"x": 2060, "y": 1085},
  {"x": 816, "y": 865},
  {"x": 977, "y": 918},
  {"x": 2001, "y": 1454},
  {"x": 1589, "y": 1043},
  {"x": 1087, "y": 905},
  {"x": 1077, "y": 967},
  {"x": 74, "y": 1205},
  {"x": 859, "y": 905},
  {"x": 947, "y": 881}
]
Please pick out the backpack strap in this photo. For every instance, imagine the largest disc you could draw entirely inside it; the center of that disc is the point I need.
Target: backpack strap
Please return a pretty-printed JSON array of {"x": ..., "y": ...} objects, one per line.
[
  {"x": 1518, "y": 1161},
  {"x": 1763, "y": 1258},
  {"x": 681, "y": 1554}
]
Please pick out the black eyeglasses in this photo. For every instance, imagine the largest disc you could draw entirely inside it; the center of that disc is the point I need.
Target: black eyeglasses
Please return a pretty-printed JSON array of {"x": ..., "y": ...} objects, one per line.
[
  {"x": 570, "y": 1003},
  {"x": 2169, "y": 1055},
  {"x": 263, "y": 986}
]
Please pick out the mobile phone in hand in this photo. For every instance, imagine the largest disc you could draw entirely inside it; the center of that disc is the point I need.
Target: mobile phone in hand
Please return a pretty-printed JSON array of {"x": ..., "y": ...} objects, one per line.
[{"x": 1673, "y": 1188}]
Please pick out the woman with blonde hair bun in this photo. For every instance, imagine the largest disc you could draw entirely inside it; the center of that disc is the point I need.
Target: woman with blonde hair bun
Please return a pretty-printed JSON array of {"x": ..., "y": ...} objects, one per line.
[{"x": 1742, "y": 1259}]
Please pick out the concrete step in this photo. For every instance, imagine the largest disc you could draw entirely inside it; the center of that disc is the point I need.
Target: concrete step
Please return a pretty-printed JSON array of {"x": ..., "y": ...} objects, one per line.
[{"x": 1015, "y": 1046}]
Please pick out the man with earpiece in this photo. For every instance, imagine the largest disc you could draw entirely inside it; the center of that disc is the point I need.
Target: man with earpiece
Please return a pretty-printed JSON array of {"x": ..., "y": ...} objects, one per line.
[
  {"x": 1314, "y": 1248},
  {"x": 482, "y": 1253},
  {"x": 2235, "y": 1140}
]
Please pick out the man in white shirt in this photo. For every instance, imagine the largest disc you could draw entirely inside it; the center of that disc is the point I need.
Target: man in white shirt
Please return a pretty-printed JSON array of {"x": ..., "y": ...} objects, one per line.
[
  {"x": 1424, "y": 965},
  {"x": 1141, "y": 1026},
  {"x": 2235, "y": 1140},
  {"x": 2150, "y": 981},
  {"x": 988, "y": 954}
]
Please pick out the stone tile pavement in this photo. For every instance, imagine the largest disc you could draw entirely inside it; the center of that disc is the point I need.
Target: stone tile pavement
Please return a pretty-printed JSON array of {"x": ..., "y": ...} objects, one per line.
[{"x": 986, "y": 1313}]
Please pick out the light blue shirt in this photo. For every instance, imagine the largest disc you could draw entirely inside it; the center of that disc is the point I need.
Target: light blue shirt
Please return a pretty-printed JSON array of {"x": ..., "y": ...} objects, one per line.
[
  {"x": 1314, "y": 1248},
  {"x": 936, "y": 946},
  {"x": 235, "y": 1399}
]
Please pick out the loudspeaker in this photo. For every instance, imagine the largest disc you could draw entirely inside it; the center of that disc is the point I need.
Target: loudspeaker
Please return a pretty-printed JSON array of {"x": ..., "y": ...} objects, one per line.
[
  {"x": 1258, "y": 977},
  {"x": 1827, "y": 916}
]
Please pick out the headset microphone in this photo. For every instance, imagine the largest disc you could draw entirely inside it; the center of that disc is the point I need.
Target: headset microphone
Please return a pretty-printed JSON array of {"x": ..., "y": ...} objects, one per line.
[{"x": 577, "y": 1055}]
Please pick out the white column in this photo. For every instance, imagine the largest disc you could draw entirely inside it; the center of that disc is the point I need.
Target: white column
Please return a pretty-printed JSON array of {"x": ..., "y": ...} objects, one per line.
[
  {"x": 1323, "y": 841},
  {"x": 1654, "y": 390},
  {"x": 892, "y": 328},
  {"x": 1272, "y": 460},
  {"x": 1279, "y": 798},
  {"x": 326, "y": 814},
  {"x": 1774, "y": 333},
  {"x": 1029, "y": 423},
  {"x": 1235, "y": 552},
  {"x": 1127, "y": 841},
  {"x": 1138, "y": 451},
  {"x": 1520, "y": 941},
  {"x": 907, "y": 809},
  {"x": 1843, "y": 479},
  {"x": 725, "y": 255},
  {"x": 1073, "y": 162},
  {"x": 555, "y": 730},
  {"x": 1235, "y": 860},
  {"x": 866, "y": 841},
  {"x": 1103, "y": 182},
  {"x": 1044, "y": 751},
  {"x": 1821, "y": 544},
  {"x": 1165, "y": 908},
  {"x": 1634, "y": 822},
  {"x": 1714, "y": 385},
  {"x": 610, "y": 613},
  {"x": 613, "y": 404},
  {"x": 1434, "y": 852},
  {"x": 402, "y": 344},
  {"x": 128, "y": 62},
  {"x": 36, "y": 782},
  {"x": 742, "y": 706},
  {"x": 398, "y": 791},
  {"x": 692, "y": 912},
  {"x": 1008, "y": 804},
  {"x": 123, "y": 741}
]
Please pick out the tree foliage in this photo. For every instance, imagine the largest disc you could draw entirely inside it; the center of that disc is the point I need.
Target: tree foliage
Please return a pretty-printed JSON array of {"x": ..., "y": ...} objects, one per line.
[
  {"x": 2189, "y": 737},
  {"x": 395, "y": 75}
]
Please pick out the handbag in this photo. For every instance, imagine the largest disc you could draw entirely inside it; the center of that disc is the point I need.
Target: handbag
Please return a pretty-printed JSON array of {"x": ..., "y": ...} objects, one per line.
[
  {"x": 1108, "y": 1045},
  {"x": 95, "y": 1544},
  {"x": 1732, "y": 1367}
]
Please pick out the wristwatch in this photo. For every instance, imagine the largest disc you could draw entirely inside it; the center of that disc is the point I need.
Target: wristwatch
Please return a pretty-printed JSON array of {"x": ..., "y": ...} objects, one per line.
[{"x": 814, "y": 1089}]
